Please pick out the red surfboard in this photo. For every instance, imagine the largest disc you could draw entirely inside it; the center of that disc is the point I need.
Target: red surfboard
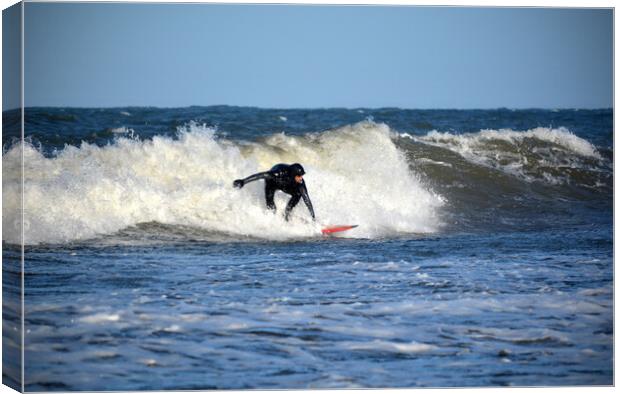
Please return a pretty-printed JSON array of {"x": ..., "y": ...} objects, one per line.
[{"x": 337, "y": 229}]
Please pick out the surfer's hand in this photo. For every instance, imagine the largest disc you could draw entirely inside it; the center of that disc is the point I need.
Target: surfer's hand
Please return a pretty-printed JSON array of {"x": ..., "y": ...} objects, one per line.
[{"x": 238, "y": 183}]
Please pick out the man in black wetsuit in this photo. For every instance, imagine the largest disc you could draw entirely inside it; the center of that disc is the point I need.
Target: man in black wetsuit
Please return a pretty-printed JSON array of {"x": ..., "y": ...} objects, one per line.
[{"x": 287, "y": 178}]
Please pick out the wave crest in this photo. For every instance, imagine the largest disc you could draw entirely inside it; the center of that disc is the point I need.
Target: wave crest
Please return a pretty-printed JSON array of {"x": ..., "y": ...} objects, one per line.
[{"x": 551, "y": 156}]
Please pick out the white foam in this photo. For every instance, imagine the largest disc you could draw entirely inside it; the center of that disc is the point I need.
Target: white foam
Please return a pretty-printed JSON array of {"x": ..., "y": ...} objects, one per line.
[
  {"x": 122, "y": 130},
  {"x": 364, "y": 330},
  {"x": 100, "y": 318},
  {"x": 389, "y": 346},
  {"x": 470, "y": 142},
  {"x": 424, "y": 160},
  {"x": 354, "y": 175},
  {"x": 518, "y": 158},
  {"x": 173, "y": 328}
]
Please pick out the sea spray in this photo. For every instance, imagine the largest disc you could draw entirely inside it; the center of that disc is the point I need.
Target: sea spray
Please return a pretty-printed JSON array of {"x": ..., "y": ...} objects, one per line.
[{"x": 355, "y": 174}]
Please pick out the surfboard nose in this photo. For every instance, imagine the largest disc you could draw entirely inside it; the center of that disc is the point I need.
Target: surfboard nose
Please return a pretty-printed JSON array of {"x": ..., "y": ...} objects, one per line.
[{"x": 338, "y": 228}]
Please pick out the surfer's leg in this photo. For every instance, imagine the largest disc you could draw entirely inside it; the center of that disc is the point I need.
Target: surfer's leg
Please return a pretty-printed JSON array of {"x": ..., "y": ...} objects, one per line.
[
  {"x": 291, "y": 204},
  {"x": 269, "y": 193}
]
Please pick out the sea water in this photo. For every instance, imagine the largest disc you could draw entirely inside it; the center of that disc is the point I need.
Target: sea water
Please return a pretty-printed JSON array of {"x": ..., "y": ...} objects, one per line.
[{"x": 483, "y": 256}]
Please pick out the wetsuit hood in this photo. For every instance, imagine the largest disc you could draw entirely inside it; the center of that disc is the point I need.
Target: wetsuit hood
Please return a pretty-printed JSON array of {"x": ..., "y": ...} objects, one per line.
[{"x": 297, "y": 169}]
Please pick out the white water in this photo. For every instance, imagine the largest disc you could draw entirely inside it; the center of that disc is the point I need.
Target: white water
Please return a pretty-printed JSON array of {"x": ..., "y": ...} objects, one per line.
[
  {"x": 529, "y": 155},
  {"x": 467, "y": 143},
  {"x": 355, "y": 175}
]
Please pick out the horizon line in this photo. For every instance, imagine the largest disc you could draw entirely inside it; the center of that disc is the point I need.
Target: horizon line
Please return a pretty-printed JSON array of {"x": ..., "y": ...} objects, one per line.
[{"x": 321, "y": 108}]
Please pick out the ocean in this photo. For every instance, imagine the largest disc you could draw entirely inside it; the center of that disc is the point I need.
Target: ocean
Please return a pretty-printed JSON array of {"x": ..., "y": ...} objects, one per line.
[{"x": 483, "y": 256}]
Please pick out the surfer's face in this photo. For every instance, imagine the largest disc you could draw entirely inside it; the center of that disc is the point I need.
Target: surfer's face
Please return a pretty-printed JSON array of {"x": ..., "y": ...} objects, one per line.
[{"x": 299, "y": 178}]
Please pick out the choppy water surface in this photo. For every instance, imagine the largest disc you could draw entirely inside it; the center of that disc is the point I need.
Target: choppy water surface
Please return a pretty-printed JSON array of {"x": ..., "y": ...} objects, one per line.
[{"x": 483, "y": 256}]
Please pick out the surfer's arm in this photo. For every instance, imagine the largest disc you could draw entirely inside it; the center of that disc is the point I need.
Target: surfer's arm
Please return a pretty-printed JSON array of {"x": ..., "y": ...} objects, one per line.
[
  {"x": 261, "y": 175},
  {"x": 306, "y": 198}
]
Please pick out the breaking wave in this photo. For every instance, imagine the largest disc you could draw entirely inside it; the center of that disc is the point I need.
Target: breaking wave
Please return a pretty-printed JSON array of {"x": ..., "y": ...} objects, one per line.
[
  {"x": 355, "y": 174},
  {"x": 546, "y": 155}
]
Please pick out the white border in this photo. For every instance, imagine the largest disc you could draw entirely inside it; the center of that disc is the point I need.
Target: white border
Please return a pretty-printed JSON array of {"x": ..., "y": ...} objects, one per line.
[{"x": 475, "y": 3}]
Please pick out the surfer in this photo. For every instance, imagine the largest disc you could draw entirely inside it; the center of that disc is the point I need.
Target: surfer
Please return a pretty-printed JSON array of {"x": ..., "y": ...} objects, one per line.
[{"x": 284, "y": 177}]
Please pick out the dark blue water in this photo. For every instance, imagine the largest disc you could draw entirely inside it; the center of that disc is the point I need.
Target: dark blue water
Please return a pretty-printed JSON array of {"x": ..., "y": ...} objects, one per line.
[
  {"x": 483, "y": 256},
  {"x": 55, "y": 127}
]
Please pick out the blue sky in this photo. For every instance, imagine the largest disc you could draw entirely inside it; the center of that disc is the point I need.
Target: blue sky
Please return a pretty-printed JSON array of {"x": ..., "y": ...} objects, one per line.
[{"x": 172, "y": 55}]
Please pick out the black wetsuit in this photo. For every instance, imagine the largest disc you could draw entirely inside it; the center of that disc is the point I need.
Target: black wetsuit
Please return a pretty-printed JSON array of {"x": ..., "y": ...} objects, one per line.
[{"x": 281, "y": 177}]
